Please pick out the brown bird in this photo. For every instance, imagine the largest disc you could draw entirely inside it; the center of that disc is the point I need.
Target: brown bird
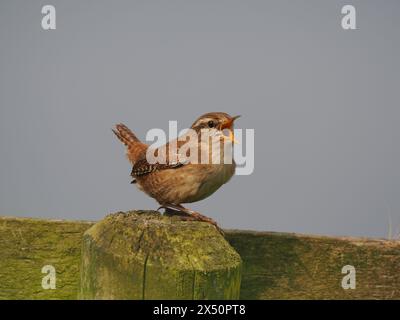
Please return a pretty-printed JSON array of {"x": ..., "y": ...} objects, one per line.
[{"x": 172, "y": 182}]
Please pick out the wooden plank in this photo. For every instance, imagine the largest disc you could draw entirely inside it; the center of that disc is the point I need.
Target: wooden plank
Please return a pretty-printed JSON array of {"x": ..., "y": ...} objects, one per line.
[
  {"x": 293, "y": 266},
  {"x": 27, "y": 245}
]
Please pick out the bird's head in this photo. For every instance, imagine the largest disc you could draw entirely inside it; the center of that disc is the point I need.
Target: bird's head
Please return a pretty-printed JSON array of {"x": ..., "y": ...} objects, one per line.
[{"x": 220, "y": 121}]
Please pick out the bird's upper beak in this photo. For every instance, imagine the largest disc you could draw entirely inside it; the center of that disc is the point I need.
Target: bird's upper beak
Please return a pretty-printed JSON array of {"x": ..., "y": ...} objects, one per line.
[{"x": 229, "y": 126}]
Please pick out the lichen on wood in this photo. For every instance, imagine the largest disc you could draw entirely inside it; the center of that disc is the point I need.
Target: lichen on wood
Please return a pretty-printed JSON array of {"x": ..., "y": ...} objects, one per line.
[
  {"x": 144, "y": 255},
  {"x": 275, "y": 265},
  {"x": 27, "y": 245},
  {"x": 294, "y": 266}
]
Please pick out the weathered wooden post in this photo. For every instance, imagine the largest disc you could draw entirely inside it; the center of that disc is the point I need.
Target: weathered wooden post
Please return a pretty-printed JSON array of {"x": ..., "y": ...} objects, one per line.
[{"x": 144, "y": 255}]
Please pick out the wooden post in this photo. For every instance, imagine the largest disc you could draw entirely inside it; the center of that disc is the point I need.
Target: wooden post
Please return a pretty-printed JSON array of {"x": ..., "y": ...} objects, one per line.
[{"x": 144, "y": 255}]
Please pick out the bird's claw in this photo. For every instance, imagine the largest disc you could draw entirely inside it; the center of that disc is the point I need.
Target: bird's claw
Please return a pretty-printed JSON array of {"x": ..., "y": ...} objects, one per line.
[
  {"x": 189, "y": 215},
  {"x": 199, "y": 217}
]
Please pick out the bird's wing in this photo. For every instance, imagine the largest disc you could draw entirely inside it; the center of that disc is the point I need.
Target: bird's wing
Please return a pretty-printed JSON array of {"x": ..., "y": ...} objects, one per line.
[{"x": 143, "y": 167}]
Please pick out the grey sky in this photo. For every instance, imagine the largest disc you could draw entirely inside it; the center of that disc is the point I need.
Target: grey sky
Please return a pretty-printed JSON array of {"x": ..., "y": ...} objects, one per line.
[{"x": 324, "y": 103}]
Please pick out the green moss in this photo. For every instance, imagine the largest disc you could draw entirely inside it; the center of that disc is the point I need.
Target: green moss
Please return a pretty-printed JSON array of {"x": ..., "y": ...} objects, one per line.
[
  {"x": 139, "y": 255},
  {"x": 26, "y": 245},
  {"x": 288, "y": 266},
  {"x": 275, "y": 265}
]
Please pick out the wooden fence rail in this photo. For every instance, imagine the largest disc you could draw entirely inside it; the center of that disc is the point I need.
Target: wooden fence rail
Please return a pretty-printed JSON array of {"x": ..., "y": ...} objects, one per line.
[{"x": 271, "y": 265}]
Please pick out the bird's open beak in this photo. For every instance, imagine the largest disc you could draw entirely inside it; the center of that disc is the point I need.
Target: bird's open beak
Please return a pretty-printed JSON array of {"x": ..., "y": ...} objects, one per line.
[{"x": 229, "y": 126}]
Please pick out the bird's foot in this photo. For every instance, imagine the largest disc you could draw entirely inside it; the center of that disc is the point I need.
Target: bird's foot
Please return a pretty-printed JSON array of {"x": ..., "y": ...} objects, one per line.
[
  {"x": 200, "y": 217},
  {"x": 189, "y": 215},
  {"x": 172, "y": 210}
]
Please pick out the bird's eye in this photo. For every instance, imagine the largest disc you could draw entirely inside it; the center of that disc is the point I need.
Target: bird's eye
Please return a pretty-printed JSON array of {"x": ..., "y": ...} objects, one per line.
[{"x": 211, "y": 124}]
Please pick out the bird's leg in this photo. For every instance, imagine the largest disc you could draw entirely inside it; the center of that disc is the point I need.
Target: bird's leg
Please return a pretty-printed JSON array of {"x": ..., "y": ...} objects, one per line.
[
  {"x": 191, "y": 215},
  {"x": 171, "y": 210}
]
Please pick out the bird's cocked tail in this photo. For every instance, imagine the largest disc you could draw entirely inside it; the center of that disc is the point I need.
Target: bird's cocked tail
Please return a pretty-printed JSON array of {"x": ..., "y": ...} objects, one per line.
[
  {"x": 135, "y": 148},
  {"x": 124, "y": 134}
]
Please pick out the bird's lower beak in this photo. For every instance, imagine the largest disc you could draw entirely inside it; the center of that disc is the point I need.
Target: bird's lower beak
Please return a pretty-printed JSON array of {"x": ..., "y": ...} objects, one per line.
[{"x": 228, "y": 125}]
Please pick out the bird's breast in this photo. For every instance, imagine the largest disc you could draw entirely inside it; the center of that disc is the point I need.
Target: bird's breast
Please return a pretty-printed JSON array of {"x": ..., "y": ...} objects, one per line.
[{"x": 217, "y": 175}]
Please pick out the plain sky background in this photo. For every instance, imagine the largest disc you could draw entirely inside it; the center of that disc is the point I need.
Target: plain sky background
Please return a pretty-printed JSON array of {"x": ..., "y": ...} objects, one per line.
[{"x": 324, "y": 103}]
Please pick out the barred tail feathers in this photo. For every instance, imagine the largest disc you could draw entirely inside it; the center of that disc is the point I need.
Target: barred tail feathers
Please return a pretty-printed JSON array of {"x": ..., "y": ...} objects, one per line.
[{"x": 135, "y": 147}]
